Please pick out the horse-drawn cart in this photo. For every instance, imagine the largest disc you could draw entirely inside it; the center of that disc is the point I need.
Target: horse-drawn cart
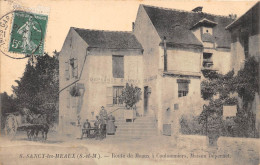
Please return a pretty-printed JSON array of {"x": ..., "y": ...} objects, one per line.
[{"x": 26, "y": 121}]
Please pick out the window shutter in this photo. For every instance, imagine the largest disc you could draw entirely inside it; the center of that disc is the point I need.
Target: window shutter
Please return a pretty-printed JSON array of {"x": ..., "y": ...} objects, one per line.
[
  {"x": 68, "y": 98},
  {"x": 118, "y": 66},
  {"x": 109, "y": 96},
  {"x": 76, "y": 68},
  {"x": 67, "y": 70},
  {"x": 183, "y": 86}
]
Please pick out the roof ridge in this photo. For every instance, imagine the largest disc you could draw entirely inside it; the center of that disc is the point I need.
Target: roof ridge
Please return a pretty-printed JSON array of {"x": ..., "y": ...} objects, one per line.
[
  {"x": 104, "y": 30},
  {"x": 172, "y": 9}
]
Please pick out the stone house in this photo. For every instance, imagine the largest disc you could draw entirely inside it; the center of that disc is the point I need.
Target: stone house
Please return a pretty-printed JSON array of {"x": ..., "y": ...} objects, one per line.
[
  {"x": 94, "y": 67},
  {"x": 165, "y": 55},
  {"x": 178, "y": 47}
]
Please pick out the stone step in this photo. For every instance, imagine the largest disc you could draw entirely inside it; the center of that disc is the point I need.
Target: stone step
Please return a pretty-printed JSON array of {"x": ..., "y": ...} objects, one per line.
[
  {"x": 136, "y": 127},
  {"x": 137, "y": 121},
  {"x": 141, "y": 121},
  {"x": 135, "y": 130},
  {"x": 127, "y": 138},
  {"x": 135, "y": 135}
]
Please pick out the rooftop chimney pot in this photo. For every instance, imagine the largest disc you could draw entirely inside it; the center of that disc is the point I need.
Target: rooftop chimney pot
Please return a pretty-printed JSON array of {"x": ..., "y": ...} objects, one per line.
[{"x": 133, "y": 26}]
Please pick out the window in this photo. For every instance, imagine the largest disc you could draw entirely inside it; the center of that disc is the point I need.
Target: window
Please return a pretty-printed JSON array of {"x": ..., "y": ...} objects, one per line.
[
  {"x": 176, "y": 106},
  {"x": 74, "y": 67},
  {"x": 183, "y": 87},
  {"x": 207, "y": 30},
  {"x": 71, "y": 68},
  {"x": 207, "y": 60},
  {"x": 117, "y": 95},
  {"x": 118, "y": 66},
  {"x": 67, "y": 70}
]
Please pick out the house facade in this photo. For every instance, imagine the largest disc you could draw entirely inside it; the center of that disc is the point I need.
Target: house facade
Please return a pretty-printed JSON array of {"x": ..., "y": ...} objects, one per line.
[
  {"x": 165, "y": 55},
  {"x": 245, "y": 32},
  {"x": 94, "y": 68},
  {"x": 178, "y": 47}
]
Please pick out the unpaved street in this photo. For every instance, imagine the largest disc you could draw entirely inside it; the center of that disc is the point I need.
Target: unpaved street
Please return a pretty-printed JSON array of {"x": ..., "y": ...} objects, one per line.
[{"x": 155, "y": 150}]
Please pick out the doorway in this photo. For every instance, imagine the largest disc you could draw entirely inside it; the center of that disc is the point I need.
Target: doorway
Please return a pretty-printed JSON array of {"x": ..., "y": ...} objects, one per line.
[{"x": 147, "y": 93}]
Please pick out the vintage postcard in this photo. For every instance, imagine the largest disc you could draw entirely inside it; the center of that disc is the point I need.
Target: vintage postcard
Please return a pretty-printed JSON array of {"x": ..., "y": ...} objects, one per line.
[{"x": 129, "y": 82}]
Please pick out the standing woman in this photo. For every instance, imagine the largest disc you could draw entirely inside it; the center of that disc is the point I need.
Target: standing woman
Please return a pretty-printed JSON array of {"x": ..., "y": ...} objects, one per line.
[{"x": 111, "y": 128}]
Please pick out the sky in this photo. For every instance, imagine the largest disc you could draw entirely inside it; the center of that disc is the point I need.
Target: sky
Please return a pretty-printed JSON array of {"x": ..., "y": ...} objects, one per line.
[{"x": 102, "y": 15}]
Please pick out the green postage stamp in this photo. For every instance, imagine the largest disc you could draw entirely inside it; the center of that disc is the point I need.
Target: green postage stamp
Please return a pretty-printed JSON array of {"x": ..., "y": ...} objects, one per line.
[{"x": 28, "y": 32}]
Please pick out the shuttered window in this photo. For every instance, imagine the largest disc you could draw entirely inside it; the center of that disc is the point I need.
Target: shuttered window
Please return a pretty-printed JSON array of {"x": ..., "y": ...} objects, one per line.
[
  {"x": 183, "y": 87},
  {"x": 74, "y": 67},
  {"x": 118, "y": 66},
  {"x": 117, "y": 95},
  {"x": 67, "y": 70}
]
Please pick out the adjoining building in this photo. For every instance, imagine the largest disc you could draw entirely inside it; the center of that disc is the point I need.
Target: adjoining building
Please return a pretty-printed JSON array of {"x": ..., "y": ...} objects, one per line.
[
  {"x": 245, "y": 32},
  {"x": 165, "y": 55},
  {"x": 178, "y": 47},
  {"x": 94, "y": 67}
]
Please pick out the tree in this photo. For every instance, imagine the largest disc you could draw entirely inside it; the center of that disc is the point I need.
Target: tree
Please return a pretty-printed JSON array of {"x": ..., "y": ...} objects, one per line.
[
  {"x": 218, "y": 89},
  {"x": 131, "y": 95},
  {"x": 38, "y": 89}
]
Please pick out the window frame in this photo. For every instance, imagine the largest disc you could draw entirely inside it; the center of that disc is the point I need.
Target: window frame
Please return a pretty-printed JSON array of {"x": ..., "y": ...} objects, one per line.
[
  {"x": 114, "y": 72},
  {"x": 116, "y": 99},
  {"x": 183, "y": 93}
]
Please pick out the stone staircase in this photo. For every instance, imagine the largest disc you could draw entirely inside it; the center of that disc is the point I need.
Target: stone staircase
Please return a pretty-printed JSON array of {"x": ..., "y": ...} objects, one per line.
[{"x": 141, "y": 127}]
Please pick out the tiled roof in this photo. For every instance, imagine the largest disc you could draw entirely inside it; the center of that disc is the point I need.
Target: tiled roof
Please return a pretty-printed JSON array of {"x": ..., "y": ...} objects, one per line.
[
  {"x": 109, "y": 39},
  {"x": 175, "y": 25},
  {"x": 250, "y": 18}
]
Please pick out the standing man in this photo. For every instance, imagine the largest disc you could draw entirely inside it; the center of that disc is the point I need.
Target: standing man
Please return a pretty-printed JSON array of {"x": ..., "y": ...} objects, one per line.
[
  {"x": 86, "y": 125},
  {"x": 103, "y": 115},
  {"x": 97, "y": 125},
  {"x": 103, "y": 118}
]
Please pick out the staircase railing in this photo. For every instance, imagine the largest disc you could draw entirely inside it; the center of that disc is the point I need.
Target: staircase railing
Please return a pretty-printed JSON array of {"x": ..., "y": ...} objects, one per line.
[{"x": 114, "y": 111}]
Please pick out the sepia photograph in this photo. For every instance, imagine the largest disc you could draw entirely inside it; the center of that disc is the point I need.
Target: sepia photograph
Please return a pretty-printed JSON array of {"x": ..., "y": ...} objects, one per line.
[{"x": 129, "y": 82}]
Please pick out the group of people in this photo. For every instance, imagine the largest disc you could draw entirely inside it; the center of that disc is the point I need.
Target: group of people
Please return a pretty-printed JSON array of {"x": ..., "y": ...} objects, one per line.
[{"x": 104, "y": 124}]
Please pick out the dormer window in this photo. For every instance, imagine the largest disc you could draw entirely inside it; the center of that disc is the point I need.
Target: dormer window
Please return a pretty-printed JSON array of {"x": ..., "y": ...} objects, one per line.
[
  {"x": 203, "y": 30},
  {"x": 207, "y": 30},
  {"x": 204, "y": 23}
]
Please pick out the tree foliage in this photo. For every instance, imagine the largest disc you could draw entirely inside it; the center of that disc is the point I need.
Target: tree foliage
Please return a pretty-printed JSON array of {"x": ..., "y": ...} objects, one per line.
[
  {"x": 131, "y": 95},
  {"x": 38, "y": 88},
  {"x": 219, "y": 90}
]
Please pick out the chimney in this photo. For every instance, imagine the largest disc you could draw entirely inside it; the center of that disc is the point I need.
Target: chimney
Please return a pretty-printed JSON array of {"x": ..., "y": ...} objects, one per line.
[
  {"x": 198, "y": 9},
  {"x": 165, "y": 54},
  {"x": 133, "y": 26},
  {"x": 232, "y": 16}
]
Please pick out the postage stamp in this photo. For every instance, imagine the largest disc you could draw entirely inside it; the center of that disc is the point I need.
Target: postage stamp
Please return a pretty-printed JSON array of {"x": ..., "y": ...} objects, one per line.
[{"x": 28, "y": 32}]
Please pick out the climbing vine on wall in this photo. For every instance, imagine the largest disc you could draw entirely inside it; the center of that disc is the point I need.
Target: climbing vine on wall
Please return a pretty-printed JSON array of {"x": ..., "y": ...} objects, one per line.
[{"x": 220, "y": 89}]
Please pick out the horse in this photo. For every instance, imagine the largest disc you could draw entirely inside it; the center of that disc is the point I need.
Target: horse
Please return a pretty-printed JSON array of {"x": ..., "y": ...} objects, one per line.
[
  {"x": 43, "y": 128},
  {"x": 33, "y": 131}
]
